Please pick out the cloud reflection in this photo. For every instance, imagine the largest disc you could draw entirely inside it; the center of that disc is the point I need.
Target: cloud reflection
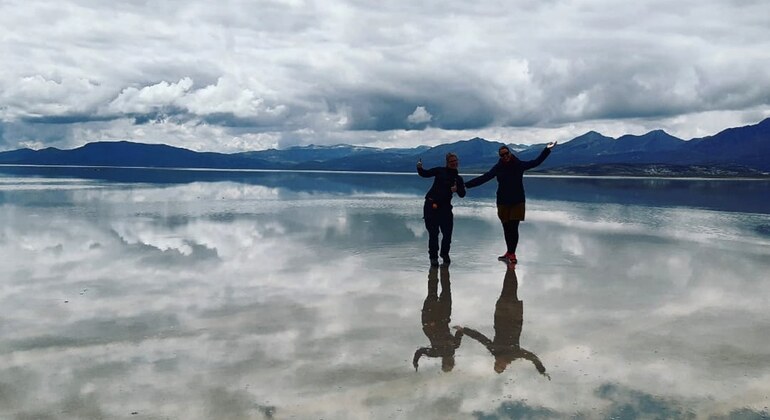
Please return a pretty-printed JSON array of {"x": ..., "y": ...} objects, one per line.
[{"x": 261, "y": 302}]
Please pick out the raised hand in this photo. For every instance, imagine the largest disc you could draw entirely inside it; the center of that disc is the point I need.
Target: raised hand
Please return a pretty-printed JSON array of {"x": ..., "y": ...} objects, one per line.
[
  {"x": 419, "y": 163},
  {"x": 550, "y": 145}
]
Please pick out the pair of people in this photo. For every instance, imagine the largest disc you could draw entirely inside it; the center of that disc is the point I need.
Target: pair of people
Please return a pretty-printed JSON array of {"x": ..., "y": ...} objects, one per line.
[
  {"x": 437, "y": 210},
  {"x": 508, "y": 322}
]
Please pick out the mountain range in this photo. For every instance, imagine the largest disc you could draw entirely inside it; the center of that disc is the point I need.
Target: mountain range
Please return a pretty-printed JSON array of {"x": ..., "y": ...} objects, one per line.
[{"x": 740, "y": 151}]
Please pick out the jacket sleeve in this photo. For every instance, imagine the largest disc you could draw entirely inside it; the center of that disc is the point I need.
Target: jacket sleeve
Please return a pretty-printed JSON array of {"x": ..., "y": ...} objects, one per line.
[
  {"x": 419, "y": 353},
  {"x": 529, "y": 164},
  {"x": 460, "y": 186},
  {"x": 535, "y": 361},
  {"x": 475, "y": 182},
  {"x": 481, "y": 338},
  {"x": 458, "y": 338},
  {"x": 426, "y": 173}
]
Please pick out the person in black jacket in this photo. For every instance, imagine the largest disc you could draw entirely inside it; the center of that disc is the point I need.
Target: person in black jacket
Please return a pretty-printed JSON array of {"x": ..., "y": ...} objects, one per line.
[
  {"x": 436, "y": 315},
  {"x": 509, "y": 318},
  {"x": 437, "y": 210},
  {"x": 509, "y": 172}
]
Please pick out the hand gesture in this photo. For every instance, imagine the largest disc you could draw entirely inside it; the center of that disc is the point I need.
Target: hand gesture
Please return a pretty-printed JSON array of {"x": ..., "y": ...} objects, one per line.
[
  {"x": 419, "y": 163},
  {"x": 550, "y": 145},
  {"x": 454, "y": 187}
]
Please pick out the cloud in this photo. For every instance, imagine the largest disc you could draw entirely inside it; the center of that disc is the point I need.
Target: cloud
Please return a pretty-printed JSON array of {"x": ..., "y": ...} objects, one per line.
[
  {"x": 150, "y": 98},
  {"x": 350, "y": 71},
  {"x": 419, "y": 116}
]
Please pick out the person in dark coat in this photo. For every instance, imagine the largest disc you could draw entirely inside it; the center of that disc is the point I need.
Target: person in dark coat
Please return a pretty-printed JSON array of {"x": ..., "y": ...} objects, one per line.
[
  {"x": 509, "y": 172},
  {"x": 509, "y": 318},
  {"x": 437, "y": 209},
  {"x": 436, "y": 315}
]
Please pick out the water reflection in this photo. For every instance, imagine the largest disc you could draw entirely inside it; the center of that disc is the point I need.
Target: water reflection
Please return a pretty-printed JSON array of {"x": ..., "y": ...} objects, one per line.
[
  {"x": 509, "y": 318},
  {"x": 733, "y": 195},
  {"x": 230, "y": 300},
  {"x": 436, "y": 316}
]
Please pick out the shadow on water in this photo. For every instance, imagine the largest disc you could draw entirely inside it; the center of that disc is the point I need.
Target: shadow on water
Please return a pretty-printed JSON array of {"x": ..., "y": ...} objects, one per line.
[
  {"x": 508, "y": 321},
  {"x": 733, "y": 195},
  {"x": 436, "y": 316}
]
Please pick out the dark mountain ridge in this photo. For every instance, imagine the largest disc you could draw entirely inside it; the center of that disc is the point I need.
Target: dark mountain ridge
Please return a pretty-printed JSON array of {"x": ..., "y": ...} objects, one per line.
[{"x": 726, "y": 152}]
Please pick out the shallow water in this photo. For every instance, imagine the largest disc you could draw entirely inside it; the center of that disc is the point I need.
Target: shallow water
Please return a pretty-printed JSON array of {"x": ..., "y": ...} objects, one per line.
[{"x": 200, "y": 295}]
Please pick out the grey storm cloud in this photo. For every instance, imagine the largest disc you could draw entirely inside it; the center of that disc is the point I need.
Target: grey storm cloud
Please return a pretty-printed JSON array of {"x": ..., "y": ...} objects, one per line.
[{"x": 198, "y": 73}]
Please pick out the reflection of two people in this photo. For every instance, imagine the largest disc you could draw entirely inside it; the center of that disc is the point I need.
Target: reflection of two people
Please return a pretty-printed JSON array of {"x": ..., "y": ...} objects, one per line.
[
  {"x": 509, "y": 317},
  {"x": 436, "y": 314}
]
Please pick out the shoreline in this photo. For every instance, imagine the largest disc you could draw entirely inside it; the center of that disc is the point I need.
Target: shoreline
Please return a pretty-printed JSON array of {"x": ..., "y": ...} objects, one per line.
[{"x": 534, "y": 174}]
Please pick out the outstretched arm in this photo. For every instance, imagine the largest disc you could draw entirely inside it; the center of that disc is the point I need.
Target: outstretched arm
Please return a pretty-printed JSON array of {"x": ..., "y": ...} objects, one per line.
[
  {"x": 419, "y": 353},
  {"x": 535, "y": 361},
  {"x": 475, "y": 182},
  {"x": 529, "y": 164},
  {"x": 481, "y": 338}
]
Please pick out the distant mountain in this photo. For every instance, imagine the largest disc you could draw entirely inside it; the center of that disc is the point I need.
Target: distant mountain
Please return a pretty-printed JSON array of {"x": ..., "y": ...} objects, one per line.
[
  {"x": 475, "y": 151},
  {"x": 749, "y": 145},
  {"x": 124, "y": 153},
  {"x": 300, "y": 154},
  {"x": 732, "y": 152}
]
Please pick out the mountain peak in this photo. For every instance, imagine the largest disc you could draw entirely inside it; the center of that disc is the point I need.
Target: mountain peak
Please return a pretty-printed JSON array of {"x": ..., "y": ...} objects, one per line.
[{"x": 589, "y": 137}]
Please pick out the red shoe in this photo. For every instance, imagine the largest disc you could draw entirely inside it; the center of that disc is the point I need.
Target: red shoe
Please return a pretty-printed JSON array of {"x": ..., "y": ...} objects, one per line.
[{"x": 508, "y": 257}]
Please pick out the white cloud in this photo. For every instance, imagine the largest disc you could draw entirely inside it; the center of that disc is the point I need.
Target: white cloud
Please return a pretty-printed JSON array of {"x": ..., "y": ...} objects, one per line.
[
  {"x": 150, "y": 98},
  {"x": 353, "y": 70},
  {"x": 419, "y": 116}
]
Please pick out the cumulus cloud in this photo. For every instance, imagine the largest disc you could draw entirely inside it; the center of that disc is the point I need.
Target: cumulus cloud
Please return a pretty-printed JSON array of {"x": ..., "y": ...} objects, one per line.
[
  {"x": 149, "y": 98},
  {"x": 302, "y": 73},
  {"x": 419, "y": 116}
]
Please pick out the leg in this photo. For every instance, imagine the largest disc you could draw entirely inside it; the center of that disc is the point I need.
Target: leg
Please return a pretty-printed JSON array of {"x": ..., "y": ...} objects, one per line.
[
  {"x": 511, "y": 231},
  {"x": 447, "y": 225},
  {"x": 431, "y": 224}
]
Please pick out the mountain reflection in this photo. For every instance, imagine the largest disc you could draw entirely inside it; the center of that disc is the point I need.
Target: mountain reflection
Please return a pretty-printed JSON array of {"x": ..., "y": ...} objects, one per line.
[
  {"x": 509, "y": 317},
  {"x": 436, "y": 315},
  {"x": 733, "y": 195}
]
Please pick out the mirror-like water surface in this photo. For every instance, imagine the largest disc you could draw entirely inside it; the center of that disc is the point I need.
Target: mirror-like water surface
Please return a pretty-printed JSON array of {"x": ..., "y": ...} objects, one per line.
[{"x": 201, "y": 295}]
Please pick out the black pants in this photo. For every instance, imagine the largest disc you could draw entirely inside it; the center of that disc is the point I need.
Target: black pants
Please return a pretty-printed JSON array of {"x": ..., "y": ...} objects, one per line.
[
  {"x": 511, "y": 232},
  {"x": 438, "y": 220}
]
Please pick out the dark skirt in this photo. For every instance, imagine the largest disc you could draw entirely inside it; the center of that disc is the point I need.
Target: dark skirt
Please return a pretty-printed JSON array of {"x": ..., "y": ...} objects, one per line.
[{"x": 508, "y": 212}]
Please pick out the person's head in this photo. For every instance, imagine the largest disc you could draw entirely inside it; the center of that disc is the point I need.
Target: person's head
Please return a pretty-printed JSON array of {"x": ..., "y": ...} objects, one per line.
[
  {"x": 447, "y": 363},
  {"x": 451, "y": 161},
  {"x": 501, "y": 363},
  {"x": 505, "y": 153}
]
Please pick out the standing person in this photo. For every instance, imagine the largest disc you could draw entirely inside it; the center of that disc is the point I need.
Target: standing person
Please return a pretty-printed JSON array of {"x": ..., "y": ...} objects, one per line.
[
  {"x": 437, "y": 210},
  {"x": 509, "y": 171}
]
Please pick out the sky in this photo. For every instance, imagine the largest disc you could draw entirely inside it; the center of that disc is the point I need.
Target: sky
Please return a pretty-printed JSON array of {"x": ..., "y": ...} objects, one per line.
[{"x": 232, "y": 75}]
